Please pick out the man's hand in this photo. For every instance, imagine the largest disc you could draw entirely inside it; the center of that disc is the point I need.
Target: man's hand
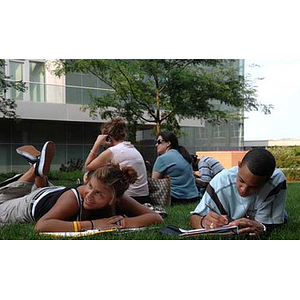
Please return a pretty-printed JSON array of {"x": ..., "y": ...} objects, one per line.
[
  {"x": 213, "y": 220},
  {"x": 248, "y": 226}
]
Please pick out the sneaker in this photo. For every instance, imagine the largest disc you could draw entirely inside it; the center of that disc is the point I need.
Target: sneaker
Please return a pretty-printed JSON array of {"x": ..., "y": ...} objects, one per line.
[
  {"x": 42, "y": 166},
  {"x": 30, "y": 153},
  {"x": 157, "y": 208}
]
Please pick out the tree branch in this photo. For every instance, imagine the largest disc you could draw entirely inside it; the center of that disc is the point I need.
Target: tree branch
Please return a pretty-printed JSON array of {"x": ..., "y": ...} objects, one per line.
[{"x": 134, "y": 96}]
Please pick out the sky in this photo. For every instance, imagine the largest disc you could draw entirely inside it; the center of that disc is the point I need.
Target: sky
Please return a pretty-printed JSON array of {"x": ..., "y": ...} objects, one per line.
[{"x": 280, "y": 87}]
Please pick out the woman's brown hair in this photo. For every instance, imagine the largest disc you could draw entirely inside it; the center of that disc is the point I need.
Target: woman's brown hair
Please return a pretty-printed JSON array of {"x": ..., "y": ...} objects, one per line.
[
  {"x": 115, "y": 128},
  {"x": 117, "y": 179}
]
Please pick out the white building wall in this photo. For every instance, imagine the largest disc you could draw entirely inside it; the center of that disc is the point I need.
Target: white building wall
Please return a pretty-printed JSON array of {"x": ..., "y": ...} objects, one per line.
[
  {"x": 53, "y": 111},
  {"x": 55, "y": 86}
]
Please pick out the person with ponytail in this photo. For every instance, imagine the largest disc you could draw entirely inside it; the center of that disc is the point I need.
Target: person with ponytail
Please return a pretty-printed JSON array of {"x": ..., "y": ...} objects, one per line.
[
  {"x": 99, "y": 203},
  {"x": 119, "y": 151},
  {"x": 174, "y": 161}
]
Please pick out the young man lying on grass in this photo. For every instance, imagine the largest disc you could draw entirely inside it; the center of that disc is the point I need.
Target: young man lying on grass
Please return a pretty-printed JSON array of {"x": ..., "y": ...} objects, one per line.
[{"x": 251, "y": 196}]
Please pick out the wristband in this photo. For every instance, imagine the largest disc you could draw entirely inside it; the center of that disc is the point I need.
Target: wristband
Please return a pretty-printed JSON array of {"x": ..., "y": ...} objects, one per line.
[
  {"x": 75, "y": 225},
  {"x": 201, "y": 221},
  {"x": 79, "y": 226}
]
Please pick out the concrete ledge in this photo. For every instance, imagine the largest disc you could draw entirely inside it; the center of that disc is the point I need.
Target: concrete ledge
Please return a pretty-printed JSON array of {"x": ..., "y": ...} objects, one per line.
[{"x": 228, "y": 159}]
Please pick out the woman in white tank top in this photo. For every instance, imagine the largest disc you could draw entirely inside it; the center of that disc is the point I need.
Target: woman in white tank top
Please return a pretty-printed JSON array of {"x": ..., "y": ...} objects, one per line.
[{"x": 119, "y": 151}]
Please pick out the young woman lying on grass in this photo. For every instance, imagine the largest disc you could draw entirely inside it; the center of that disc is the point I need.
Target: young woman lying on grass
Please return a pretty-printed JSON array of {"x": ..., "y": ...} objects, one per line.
[{"x": 100, "y": 203}]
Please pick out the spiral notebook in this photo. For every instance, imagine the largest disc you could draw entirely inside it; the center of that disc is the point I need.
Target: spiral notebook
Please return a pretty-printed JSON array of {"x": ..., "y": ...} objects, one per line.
[{"x": 174, "y": 230}]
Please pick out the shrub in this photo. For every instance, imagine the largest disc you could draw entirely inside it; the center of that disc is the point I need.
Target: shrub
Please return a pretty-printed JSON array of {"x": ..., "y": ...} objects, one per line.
[
  {"x": 4, "y": 176},
  {"x": 61, "y": 175},
  {"x": 72, "y": 165},
  {"x": 288, "y": 159}
]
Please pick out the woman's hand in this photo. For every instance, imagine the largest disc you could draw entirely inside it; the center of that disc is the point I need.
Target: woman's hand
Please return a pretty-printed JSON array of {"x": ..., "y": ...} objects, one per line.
[
  {"x": 94, "y": 161},
  {"x": 248, "y": 226},
  {"x": 102, "y": 140},
  {"x": 108, "y": 223}
]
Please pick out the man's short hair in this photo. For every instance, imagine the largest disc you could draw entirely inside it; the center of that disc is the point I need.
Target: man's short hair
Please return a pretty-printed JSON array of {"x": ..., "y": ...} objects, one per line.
[{"x": 260, "y": 162}]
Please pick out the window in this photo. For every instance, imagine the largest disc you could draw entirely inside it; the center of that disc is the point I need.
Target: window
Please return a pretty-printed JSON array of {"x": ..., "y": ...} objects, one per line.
[
  {"x": 80, "y": 88},
  {"x": 235, "y": 130},
  {"x": 33, "y": 74},
  {"x": 219, "y": 131},
  {"x": 203, "y": 133},
  {"x": 16, "y": 70},
  {"x": 37, "y": 81}
]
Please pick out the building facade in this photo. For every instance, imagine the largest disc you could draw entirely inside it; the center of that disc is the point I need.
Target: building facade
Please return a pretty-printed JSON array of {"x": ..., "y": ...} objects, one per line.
[{"x": 50, "y": 109}]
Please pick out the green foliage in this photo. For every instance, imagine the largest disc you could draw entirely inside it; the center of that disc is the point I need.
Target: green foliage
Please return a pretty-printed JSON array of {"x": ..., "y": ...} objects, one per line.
[
  {"x": 69, "y": 178},
  {"x": 8, "y": 106},
  {"x": 164, "y": 91},
  {"x": 72, "y": 165},
  {"x": 66, "y": 176},
  {"x": 288, "y": 159},
  {"x": 4, "y": 176}
]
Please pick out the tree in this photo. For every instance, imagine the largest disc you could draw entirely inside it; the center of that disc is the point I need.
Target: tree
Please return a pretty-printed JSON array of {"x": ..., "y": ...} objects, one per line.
[
  {"x": 164, "y": 91},
  {"x": 8, "y": 106}
]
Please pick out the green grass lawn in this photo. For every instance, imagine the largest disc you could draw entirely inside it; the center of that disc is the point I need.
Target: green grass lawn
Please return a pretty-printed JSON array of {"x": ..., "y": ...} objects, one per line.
[{"x": 177, "y": 215}]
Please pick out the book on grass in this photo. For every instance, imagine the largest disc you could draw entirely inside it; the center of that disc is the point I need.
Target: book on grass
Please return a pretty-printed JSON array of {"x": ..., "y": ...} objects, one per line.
[
  {"x": 91, "y": 232},
  {"x": 225, "y": 230},
  {"x": 174, "y": 230}
]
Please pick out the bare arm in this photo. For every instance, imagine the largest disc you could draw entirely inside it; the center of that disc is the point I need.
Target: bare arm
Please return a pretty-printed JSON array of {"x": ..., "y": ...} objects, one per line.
[
  {"x": 246, "y": 225},
  {"x": 201, "y": 183},
  {"x": 93, "y": 161},
  {"x": 206, "y": 221},
  {"x": 137, "y": 215},
  {"x": 156, "y": 175},
  {"x": 59, "y": 216},
  {"x": 195, "y": 221}
]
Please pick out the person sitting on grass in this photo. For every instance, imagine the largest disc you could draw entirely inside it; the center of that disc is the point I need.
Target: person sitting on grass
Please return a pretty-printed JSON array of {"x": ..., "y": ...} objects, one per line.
[
  {"x": 205, "y": 169},
  {"x": 119, "y": 151},
  {"x": 175, "y": 162},
  {"x": 99, "y": 203},
  {"x": 251, "y": 196}
]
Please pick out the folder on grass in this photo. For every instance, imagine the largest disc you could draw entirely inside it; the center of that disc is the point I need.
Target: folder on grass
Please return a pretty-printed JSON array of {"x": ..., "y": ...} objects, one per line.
[{"x": 174, "y": 230}]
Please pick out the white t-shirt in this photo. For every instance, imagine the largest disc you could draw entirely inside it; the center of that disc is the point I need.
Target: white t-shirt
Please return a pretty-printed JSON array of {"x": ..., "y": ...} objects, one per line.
[{"x": 125, "y": 154}]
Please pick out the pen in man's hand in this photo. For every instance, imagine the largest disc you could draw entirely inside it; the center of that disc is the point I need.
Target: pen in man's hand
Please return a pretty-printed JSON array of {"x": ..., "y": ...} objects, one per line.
[{"x": 213, "y": 210}]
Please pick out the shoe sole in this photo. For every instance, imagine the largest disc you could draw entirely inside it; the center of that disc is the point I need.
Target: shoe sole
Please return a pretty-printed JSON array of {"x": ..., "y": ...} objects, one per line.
[
  {"x": 45, "y": 160},
  {"x": 29, "y": 152}
]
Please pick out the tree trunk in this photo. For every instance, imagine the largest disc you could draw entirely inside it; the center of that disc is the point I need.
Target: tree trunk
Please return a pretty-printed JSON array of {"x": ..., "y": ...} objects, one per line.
[{"x": 157, "y": 113}]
